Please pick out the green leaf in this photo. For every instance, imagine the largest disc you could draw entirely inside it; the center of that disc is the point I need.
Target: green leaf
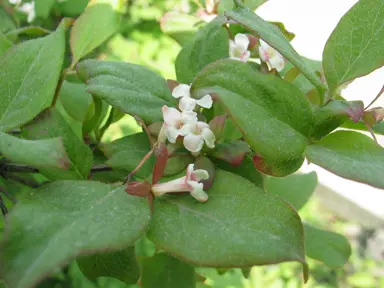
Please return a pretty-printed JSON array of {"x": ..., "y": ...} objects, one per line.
[
  {"x": 246, "y": 170},
  {"x": 163, "y": 271},
  {"x": 92, "y": 28},
  {"x": 355, "y": 48},
  {"x": 30, "y": 32},
  {"x": 331, "y": 248},
  {"x": 132, "y": 88},
  {"x": 273, "y": 115},
  {"x": 233, "y": 152},
  {"x": 120, "y": 264},
  {"x": 5, "y": 44},
  {"x": 377, "y": 129},
  {"x": 75, "y": 100},
  {"x": 6, "y": 22},
  {"x": 43, "y": 8},
  {"x": 177, "y": 163},
  {"x": 210, "y": 44},
  {"x": 327, "y": 118},
  {"x": 295, "y": 189},
  {"x": 50, "y": 124},
  {"x": 63, "y": 220},
  {"x": 72, "y": 8},
  {"x": 28, "y": 78},
  {"x": 29, "y": 152},
  {"x": 180, "y": 27},
  {"x": 127, "y": 152},
  {"x": 239, "y": 226},
  {"x": 274, "y": 37},
  {"x": 350, "y": 155}
]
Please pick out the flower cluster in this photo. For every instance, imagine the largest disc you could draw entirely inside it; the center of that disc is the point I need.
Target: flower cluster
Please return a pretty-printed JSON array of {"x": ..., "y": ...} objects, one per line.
[
  {"x": 26, "y": 8},
  {"x": 239, "y": 50},
  {"x": 189, "y": 183},
  {"x": 184, "y": 122}
]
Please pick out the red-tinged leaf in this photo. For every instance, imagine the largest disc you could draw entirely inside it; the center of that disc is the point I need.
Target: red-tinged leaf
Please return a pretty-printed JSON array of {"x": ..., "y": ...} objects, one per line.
[
  {"x": 373, "y": 116},
  {"x": 217, "y": 125},
  {"x": 271, "y": 170},
  {"x": 161, "y": 162},
  {"x": 140, "y": 189},
  {"x": 172, "y": 84},
  {"x": 232, "y": 153},
  {"x": 206, "y": 164}
]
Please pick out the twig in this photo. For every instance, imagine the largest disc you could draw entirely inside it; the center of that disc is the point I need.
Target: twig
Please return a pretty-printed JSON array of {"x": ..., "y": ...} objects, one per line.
[
  {"x": 142, "y": 124},
  {"x": 26, "y": 182},
  {"x": 9, "y": 168},
  {"x": 146, "y": 157},
  {"x": 377, "y": 97},
  {"x": 9, "y": 196},
  {"x": 3, "y": 208}
]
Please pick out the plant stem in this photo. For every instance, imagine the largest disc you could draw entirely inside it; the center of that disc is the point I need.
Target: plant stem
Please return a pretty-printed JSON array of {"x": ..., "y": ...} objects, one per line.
[
  {"x": 377, "y": 97},
  {"x": 3, "y": 208},
  {"x": 58, "y": 87},
  {"x": 146, "y": 157}
]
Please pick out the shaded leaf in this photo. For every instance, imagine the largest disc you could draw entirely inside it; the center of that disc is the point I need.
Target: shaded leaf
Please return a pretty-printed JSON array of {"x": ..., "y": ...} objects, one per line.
[
  {"x": 206, "y": 164},
  {"x": 72, "y": 8},
  {"x": 127, "y": 152},
  {"x": 177, "y": 163},
  {"x": 30, "y": 32},
  {"x": 28, "y": 78},
  {"x": 209, "y": 44},
  {"x": 332, "y": 115},
  {"x": 331, "y": 248},
  {"x": 295, "y": 189},
  {"x": 239, "y": 226},
  {"x": 75, "y": 100},
  {"x": 43, "y": 7},
  {"x": 274, "y": 116},
  {"x": 132, "y": 88},
  {"x": 63, "y": 220},
  {"x": 50, "y": 124},
  {"x": 233, "y": 152},
  {"x": 120, "y": 264},
  {"x": 351, "y": 155},
  {"x": 5, "y": 44},
  {"x": 355, "y": 48},
  {"x": 40, "y": 153},
  {"x": 6, "y": 22},
  {"x": 275, "y": 38},
  {"x": 165, "y": 271},
  {"x": 93, "y": 27}
]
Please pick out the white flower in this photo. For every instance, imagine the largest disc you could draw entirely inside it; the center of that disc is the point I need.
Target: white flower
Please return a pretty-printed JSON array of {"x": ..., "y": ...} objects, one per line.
[
  {"x": 29, "y": 9},
  {"x": 174, "y": 122},
  {"x": 197, "y": 134},
  {"x": 238, "y": 49},
  {"x": 189, "y": 183},
  {"x": 270, "y": 55},
  {"x": 14, "y": 2},
  {"x": 187, "y": 103}
]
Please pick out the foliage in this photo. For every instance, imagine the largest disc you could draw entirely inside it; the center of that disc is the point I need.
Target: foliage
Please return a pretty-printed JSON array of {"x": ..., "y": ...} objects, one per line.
[{"x": 200, "y": 173}]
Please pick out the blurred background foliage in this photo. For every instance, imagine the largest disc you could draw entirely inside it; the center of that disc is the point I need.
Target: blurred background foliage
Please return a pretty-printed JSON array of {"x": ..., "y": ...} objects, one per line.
[{"x": 140, "y": 40}]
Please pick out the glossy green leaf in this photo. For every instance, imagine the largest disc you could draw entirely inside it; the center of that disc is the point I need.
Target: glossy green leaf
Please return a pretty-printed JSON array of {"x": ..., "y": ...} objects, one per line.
[
  {"x": 75, "y": 100},
  {"x": 30, "y": 152},
  {"x": 274, "y": 37},
  {"x": 28, "y": 78},
  {"x": 92, "y": 28},
  {"x": 72, "y": 8},
  {"x": 120, "y": 264},
  {"x": 351, "y": 155},
  {"x": 273, "y": 115},
  {"x": 332, "y": 115},
  {"x": 50, "y": 124},
  {"x": 239, "y": 226},
  {"x": 63, "y": 220},
  {"x": 132, "y": 88},
  {"x": 181, "y": 27},
  {"x": 355, "y": 48},
  {"x": 5, "y": 44},
  {"x": 6, "y": 22},
  {"x": 163, "y": 271},
  {"x": 295, "y": 189},
  {"x": 246, "y": 170},
  {"x": 331, "y": 248},
  {"x": 43, "y": 8},
  {"x": 210, "y": 44},
  {"x": 127, "y": 152}
]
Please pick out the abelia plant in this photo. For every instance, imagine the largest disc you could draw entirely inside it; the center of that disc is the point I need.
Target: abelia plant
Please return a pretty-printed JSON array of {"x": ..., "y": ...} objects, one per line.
[{"x": 244, "y": 113}]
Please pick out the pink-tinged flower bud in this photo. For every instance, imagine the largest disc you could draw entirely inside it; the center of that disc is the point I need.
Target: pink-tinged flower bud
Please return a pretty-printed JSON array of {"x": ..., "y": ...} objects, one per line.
[
  {"x": 271, "y": 56},
  {"x": 238, "y": 48},
  {"x": 189, "y": 183}
]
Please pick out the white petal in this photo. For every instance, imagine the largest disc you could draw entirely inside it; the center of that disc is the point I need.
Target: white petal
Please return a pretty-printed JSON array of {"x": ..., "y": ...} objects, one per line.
[
  {"x": 264, "y": 44},
  {"x": 172, "y": 133},
  {"x": 277, "y": 62},
  {"x": 205, "y": 102},
  {"x": 245, "y": 56},
  {"x": 187, "y": 104},
  {"x": 189, "y": 172},
  {"x": 200, "y": 174},
  {"x": 171, "y": 115},
  {"x": 189, "y": 117},
  {"x": 197, "y": 191},
  {"x": 232, "y": 49},
  {"x": 186, "y": 129},
  {"x": 193, "y": 142},
  {"x": 242, "y": 42},
  {"x": 263, "y": 53},
  {"x": 181, "y": 90},
  {"x": 201, "y": 125},
  {"x": 209, "y": 137}
]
